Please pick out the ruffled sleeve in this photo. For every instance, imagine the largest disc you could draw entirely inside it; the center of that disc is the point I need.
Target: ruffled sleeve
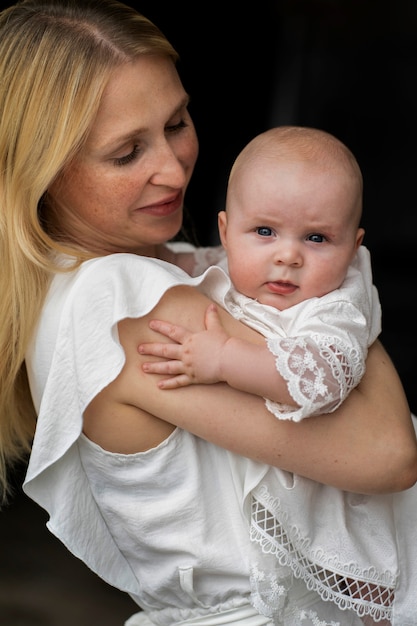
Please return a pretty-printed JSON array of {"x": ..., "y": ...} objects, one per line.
[{"x": 75, "y": 354}]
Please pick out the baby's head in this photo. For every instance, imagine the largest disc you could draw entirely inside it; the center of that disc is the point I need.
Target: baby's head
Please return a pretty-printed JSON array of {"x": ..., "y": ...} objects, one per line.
[
  {"x": 312, "y": 152},
  {"x": 294, "y": 202}
]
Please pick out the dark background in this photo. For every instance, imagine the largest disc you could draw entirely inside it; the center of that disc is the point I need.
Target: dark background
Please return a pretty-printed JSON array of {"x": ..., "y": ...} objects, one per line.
[{"x": 347, "y": 66}]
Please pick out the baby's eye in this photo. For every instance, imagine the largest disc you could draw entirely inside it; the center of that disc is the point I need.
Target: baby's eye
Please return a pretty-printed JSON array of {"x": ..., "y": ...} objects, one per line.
[
  {"x": 316, "y": 238},
  {"x": 128, "y": 158},
  {"x": 264, "y": 231}
]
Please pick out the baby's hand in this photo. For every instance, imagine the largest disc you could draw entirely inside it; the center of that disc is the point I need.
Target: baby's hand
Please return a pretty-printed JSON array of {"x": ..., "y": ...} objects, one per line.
[{"x": 190, "y": 358}]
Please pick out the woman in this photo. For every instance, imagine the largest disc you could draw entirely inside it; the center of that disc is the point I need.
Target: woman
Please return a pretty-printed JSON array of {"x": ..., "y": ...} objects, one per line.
[{"x": 97, "y": 149}]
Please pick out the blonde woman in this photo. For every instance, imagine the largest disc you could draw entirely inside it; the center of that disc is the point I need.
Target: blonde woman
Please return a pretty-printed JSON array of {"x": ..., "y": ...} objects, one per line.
[{"x": 97, "y": 148}]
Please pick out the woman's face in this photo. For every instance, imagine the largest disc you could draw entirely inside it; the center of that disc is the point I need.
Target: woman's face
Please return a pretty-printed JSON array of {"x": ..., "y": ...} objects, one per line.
[{"x": 124, "y": 191}]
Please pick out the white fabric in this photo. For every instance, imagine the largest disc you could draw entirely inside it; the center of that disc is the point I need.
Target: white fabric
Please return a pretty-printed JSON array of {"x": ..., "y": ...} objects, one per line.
[
  {"x": 247, "y": 616},
  {"x": 141, "y": 521},
  {"x": 321, "y": 344},
  {"x": 363, "y": 529}
]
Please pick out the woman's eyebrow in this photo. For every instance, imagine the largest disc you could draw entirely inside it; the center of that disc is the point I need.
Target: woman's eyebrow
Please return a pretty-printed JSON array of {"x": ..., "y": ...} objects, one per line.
[{"x": 116, "y": 142}]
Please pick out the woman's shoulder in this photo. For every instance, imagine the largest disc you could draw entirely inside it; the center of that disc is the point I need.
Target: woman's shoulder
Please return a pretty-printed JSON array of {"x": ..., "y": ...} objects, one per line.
[
  {"x": 129, "y": 266},
  {"x": 129, "y": 279}
]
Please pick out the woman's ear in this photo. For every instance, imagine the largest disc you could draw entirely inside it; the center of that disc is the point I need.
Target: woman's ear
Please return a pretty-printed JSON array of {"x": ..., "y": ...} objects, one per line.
[{"x": 222, "y": 225}]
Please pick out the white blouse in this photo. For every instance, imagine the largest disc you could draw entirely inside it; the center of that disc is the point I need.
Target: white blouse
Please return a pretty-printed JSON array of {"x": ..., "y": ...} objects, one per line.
[{"x": 195, "y": 534}]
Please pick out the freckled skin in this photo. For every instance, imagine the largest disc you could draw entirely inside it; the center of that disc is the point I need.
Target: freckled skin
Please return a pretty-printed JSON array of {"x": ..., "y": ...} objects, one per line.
[{"x": 125, "y": 190}]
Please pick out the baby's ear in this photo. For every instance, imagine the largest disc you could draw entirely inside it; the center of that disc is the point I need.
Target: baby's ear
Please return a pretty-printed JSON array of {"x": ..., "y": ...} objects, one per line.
[
  {"x": 359, "y": 237},
  {"x": 222, "y": 225}
]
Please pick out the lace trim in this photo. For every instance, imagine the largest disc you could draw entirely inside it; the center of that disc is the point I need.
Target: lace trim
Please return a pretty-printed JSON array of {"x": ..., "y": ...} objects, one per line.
[
  {"x": 270, "y": 589},
  {"x": 347, "y": 585},
  {"x": 269, "y": 597},
  {"x": 320, "y": 372}
]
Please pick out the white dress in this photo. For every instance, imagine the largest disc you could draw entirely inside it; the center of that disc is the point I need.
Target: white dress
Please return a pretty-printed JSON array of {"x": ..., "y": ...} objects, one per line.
[
  {"x": 320, "y": 345},
  {"x": 186, "y": 527}
]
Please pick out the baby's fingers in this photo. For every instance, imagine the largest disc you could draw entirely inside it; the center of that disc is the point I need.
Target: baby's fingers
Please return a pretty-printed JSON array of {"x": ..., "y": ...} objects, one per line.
[
  {"x": 178, "y": 378},
  {"x": 176, "y": 381},
  {"x": 172, "y": 331},
  {"x": 212, "y": 318},
  {"x": 172, "y": 368},
  {"x": 164, "y": 350}
]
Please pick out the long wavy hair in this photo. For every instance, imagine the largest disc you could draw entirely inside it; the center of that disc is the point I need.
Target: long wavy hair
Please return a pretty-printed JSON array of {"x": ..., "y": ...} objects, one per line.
[{"x": 56, "y": 57}]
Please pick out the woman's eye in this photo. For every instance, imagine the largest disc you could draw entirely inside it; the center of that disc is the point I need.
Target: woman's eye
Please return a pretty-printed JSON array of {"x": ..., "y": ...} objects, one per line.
[
  {"x": 264, "y": 231},
  {"x": 316, "y": 238},
  {"x": 174, "y": 128},
  {"x": 128, "y": 158}
]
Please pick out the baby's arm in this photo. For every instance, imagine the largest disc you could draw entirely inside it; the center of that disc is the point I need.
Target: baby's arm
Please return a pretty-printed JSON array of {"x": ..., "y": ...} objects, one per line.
[{"x": 212, "y": 356}]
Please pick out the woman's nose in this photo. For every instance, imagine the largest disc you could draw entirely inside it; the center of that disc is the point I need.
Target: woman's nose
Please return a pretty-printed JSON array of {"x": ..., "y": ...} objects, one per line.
[{"x": 168, "y": 169}]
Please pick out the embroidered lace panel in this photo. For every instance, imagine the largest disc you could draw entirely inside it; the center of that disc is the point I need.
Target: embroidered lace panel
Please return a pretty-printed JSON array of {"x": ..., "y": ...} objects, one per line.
[
  {"x": 320, "y": 372},
  {"x": 367, "y": 593}
]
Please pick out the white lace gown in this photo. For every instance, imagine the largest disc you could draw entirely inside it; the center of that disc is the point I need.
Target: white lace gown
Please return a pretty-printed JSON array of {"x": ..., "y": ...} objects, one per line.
[
  {"x": 320, "y": 345},
  {"x": 194, "y": 534}
]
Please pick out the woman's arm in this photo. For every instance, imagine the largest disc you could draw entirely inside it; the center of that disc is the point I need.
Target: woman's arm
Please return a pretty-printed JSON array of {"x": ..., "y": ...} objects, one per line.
[
  {"x": 368, "y": 445},
  {"x": 212, "y": 355}
]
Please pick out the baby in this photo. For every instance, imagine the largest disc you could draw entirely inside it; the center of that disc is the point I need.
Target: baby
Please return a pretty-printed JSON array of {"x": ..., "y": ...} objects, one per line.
[
  {"x": 299, "y": 274},
  {"x": 296, "y": 271}
]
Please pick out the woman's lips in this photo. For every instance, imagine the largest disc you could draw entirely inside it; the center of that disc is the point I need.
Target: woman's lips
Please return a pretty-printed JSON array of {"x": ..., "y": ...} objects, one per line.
[{"x": 165, "y": 207}]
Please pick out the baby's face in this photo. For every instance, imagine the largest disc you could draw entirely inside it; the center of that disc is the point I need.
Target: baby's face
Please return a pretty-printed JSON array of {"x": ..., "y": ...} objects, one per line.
[{"x": 289, "y": 232}]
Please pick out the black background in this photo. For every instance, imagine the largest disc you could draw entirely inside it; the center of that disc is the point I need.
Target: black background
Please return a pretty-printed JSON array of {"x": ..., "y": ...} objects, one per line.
[{"x": 347, "y": 66}]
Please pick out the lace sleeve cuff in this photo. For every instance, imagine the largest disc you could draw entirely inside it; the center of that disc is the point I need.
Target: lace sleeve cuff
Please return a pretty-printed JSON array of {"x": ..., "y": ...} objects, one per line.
[{"x": 320, "y": 373}]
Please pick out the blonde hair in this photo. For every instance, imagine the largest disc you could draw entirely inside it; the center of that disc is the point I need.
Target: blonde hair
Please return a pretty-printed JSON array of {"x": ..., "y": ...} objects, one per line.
[{"x": 56, "y": 57}]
